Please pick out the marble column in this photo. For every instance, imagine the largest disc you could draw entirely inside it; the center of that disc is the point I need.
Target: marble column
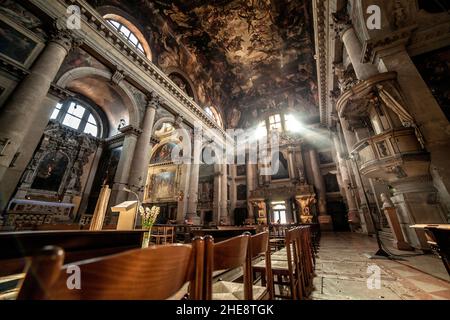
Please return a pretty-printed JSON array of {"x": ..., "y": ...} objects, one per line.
[
  {"x": 141, "y": 159},
  {"x": 193, "y": 181},
  {"x": 24, "y": 106},
  {"x": 319, "y": 184},
  {"x": 124, "y": 166}
]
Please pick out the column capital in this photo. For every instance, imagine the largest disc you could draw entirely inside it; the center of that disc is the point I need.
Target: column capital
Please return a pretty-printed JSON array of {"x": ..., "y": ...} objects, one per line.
[
  {"x": 153, "y": 101},
  {"x": 64, "y": 37},
  {"x": 130, "y": 130}
]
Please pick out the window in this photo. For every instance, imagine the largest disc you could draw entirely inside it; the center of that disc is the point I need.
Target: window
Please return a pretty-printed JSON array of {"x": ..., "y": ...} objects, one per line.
[
  {"x": 214, "y": 114},
  {"x": 130, "y": 36},
  {"x": 261, "y": 130},
  {"x": 275, "y": 122},
  {"x": 76, "y": 116}
]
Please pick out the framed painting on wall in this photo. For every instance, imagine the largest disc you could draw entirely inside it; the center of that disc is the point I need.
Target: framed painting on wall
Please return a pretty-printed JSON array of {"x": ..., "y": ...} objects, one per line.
[
  {"x": 162, "y": 184},
  {"x": 18, "y": 44}
]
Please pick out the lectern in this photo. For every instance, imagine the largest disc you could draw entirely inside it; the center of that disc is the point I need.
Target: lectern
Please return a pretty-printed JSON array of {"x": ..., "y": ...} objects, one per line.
[{"x": 127, "y": 214}]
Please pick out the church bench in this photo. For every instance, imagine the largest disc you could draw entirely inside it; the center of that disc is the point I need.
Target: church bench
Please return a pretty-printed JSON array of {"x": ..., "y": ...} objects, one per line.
[
  {"x": 18, "y": 247},
  {"x": 223, "y": 234}
]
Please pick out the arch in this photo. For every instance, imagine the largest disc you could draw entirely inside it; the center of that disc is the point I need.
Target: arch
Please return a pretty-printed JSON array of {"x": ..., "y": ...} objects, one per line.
[
  {"x": 126, "y": 96},
  {"x": 119, "y": 17},
  {"x": 191, "y": 89}
]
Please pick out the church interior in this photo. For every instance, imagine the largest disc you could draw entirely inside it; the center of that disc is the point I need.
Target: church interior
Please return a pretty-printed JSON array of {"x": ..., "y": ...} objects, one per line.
[{"x": 225, "y": 150}]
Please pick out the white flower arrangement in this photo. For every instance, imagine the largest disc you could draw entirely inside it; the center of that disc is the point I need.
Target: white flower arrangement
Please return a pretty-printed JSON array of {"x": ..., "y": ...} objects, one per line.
[{"x": 148, "y": 216}]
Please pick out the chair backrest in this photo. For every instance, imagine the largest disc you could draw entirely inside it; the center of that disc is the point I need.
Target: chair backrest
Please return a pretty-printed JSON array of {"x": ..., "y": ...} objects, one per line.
[
  {"x": 228, "y": 254},
  {"x": 258, "y": 246},
  {"x": 293, "y": 249},
  {"x": 153, "y": 273}
]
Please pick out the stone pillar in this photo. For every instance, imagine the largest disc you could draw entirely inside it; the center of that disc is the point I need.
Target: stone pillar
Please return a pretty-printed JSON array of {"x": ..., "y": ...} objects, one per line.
[
  {"x": 193, "y": 181},
  {"x": 224, "y": 216},
  {"x": 141, "y": 159},
  {"x": 324, "y": 219},
  {"x": 251, "y": 186},
  {"x": 353, "y": 214},
  {"x": 124, "y": 166},
  {"x": 354, "y": 49},
  {"x": 22, "y": 109},
  {"x": 293, "y": 172},
  {"x": 216, "y": 197},
  {"x": 350, "y": 141}
]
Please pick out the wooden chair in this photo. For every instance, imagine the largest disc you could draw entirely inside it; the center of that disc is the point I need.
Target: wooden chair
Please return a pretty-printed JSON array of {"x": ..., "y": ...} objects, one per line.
[
  {"x": 153, "y": 273},
  {"x": 258, "y": 247},
  {"x": 225, "y": 255},
  {"x": 292, "y": 267}
]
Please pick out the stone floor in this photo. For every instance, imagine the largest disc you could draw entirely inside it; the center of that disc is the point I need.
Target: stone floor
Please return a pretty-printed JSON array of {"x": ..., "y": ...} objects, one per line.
[{"x": 344, "y": 269}]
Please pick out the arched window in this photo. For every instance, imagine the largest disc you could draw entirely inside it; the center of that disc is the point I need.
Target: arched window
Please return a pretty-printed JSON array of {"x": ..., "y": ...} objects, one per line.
[
  {"x": 215, "y": 115},
  {"x": 77, "y": 116},
  {"x": 130, "y": 36}
]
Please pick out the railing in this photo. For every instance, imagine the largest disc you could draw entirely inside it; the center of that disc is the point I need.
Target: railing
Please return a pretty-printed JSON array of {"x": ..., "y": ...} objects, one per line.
[{"x": 387, "y": 146}]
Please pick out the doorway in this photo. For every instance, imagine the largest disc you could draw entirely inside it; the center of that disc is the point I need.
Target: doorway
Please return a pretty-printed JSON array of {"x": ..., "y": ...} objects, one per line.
[
  {"x": 279, "y": 212},
  {"x": 338, "y": 212}
]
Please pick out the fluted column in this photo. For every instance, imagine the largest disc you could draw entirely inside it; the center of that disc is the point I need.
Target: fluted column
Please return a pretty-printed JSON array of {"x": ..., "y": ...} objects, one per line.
[
  {"x": 141, "y": 159},
  {"x": 124, "y": 166},
  {"x": 24, "y": 106}
]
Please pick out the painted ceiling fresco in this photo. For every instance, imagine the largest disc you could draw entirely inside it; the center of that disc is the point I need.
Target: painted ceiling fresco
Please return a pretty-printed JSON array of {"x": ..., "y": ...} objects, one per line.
[{"x": 244, "y": 56}]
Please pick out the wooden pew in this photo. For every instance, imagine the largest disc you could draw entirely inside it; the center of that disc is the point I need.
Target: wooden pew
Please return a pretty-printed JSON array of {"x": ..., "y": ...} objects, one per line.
[
  {"x": 223, "y": 233},
  {"x": 18, "y": 247}
]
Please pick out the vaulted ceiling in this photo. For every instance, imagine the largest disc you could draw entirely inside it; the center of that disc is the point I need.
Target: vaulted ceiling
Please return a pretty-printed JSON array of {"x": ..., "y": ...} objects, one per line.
[{"x": 262, "y": 50}]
